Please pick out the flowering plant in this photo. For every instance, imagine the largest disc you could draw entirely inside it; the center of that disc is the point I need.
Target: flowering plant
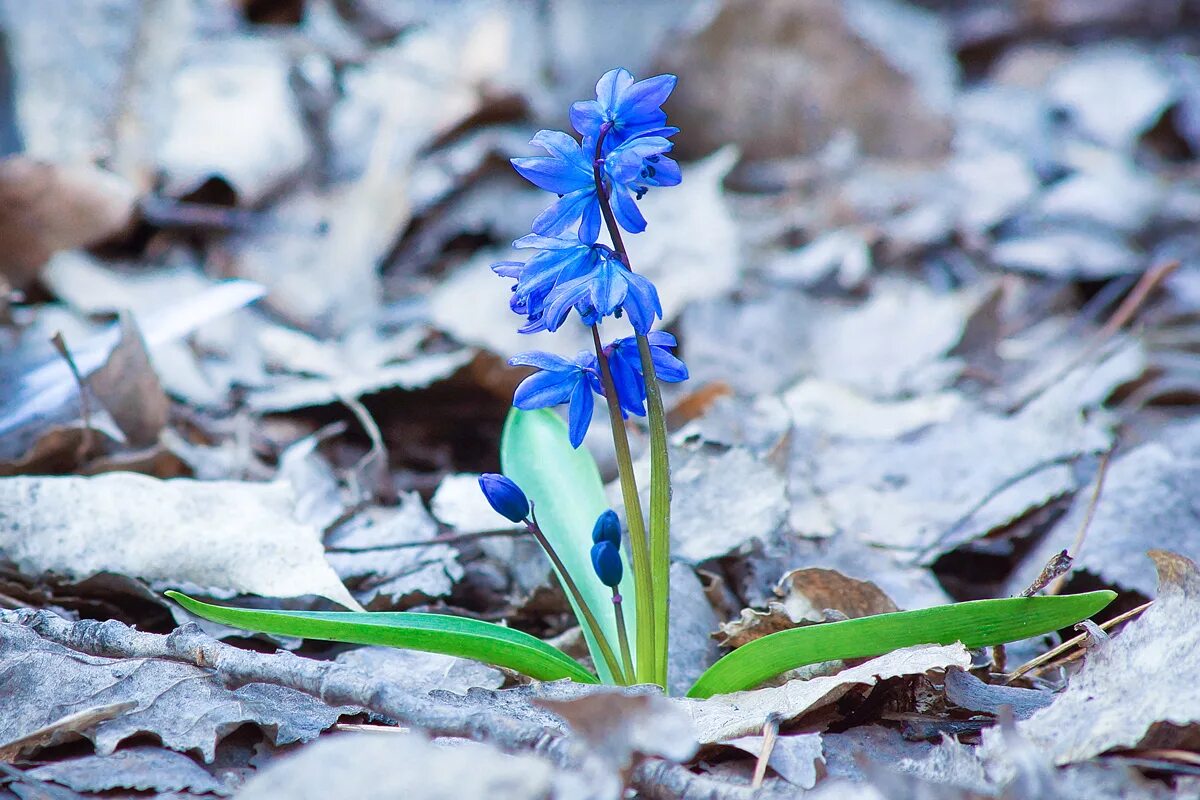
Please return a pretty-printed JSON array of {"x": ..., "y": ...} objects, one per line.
[{"x": 552, "y": 486}]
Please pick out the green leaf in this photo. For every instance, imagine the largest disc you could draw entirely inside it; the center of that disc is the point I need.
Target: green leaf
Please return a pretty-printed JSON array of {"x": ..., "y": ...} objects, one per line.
[
  {"x": 433, "y": 633},
  {"x": 568, "y": 495},
  {"x": 979, "y": 623}
]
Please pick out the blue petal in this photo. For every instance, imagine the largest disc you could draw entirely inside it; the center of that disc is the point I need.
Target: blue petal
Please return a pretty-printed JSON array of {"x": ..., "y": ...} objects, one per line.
[
  {"x": 586, "y": 118},
  {"x": 666, "y": 171},
  {"x": 640, "y": 102},
  {"x": 642, "y": 304},
  {"x": 611, "y": 86},
  {"x": 667, "y": 367},
  {"x": 661, "y": 339},
  {"x": 589, "y": 228},
  {"x": 631, "y": 389},
  {"x": 563, "y": 147},
  {"x": 628, "y": 215},
  {"x": 563, "y": 213},
  {"x": 550, "y": 174},
  {"x": 540, "y": 360},
  {"x": 580, "y": 412},
  {"x": 543, "y": 389}
]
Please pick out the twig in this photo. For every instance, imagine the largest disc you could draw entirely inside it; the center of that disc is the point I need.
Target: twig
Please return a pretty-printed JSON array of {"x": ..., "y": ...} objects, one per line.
[
  {"x": 1073, "y": 553},
  {"x": 85, "y": 405},
  {"x": 376, "y": 459},
  {"x": 455, "y": 539},
  {"x": 1150, "y": 279},
  {"x": 1055, "y": 568},
  {"x": 770, "y": 733},
  {"x": 1054, "y": 653}
]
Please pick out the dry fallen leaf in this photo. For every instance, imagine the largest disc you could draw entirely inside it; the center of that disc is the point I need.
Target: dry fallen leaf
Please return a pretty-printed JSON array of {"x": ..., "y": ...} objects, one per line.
[
  {"x": 47, "y": 207},
  {"x": 222, "y": 537},
  {"x": 729, "y": 716}
]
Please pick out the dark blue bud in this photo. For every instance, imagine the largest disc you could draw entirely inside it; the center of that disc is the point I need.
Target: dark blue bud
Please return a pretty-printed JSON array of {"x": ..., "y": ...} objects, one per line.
[
  {"x": 505, "y": 496},
  {"x": 606, "y": 560},
  {"x": 607, "y": 528}
]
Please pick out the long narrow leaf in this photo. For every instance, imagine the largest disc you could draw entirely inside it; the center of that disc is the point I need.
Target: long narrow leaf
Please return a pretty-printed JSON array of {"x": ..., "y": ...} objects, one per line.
[
  {"x": 979, "y": 623},
  {"x": 564, "y": 485},
  {"x": 433, "y": 633}
]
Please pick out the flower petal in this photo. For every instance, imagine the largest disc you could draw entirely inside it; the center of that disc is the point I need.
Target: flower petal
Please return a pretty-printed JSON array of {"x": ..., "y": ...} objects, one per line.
[
  {"x": 564, "y": 212},
  {"x": 544, "y": 389},
  {"x": 580, "y": 412}
]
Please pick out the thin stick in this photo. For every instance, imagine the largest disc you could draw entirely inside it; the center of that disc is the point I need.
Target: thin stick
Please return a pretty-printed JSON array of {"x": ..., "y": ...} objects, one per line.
[
  {"x": 85, "y": 406},
  {"x": 770, "y": 733},
  {"x": 1054, "y": 653},
  {"x": 1058, "y": 583},
  {"x": 622, "y": 634},
  {"x": 589, "y": 618}
]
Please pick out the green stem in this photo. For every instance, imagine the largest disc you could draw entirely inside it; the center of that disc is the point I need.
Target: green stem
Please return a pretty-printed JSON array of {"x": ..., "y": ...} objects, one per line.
[
  {"x": 622, "y": 635},
  {"x": 660, "y": 508},
  {"x": 589, "y": 618},
  {"x": 638, "y": 543}
]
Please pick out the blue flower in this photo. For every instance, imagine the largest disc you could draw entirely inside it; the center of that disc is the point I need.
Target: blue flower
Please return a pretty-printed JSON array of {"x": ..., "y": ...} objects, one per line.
[
  {"x": 504, "y": 496},
  {"x": 567, "y": 274},
  {"x": 607, "y": 528},
  {"x": 558, "y": 381},
  {"x": 567, "y": 171},
  {"x": 630, "y": 109},
  {"x": 606, "y": 561},
  {"x": 626, "y": 365}
]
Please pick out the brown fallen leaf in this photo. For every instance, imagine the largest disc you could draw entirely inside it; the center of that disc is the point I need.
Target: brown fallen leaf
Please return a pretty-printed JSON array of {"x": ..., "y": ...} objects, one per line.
[
  {"x": 48, "y": 207},
  {"x": 129, "y": 387}
]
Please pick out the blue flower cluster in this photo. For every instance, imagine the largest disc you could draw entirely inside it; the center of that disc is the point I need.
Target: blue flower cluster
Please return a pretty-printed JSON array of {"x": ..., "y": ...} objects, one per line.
[{"x": 622, "y": 155}]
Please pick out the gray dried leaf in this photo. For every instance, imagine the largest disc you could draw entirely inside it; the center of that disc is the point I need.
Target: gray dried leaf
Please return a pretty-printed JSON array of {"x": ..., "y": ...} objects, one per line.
[
  {"x": 1113, "y": 92},
  {"x": 844, "y": 254},
  {"x": 793, "y": 757},
  {"x": 969, "y": 692},
  {"x": 422, "y": 672},
  {"x": 351, "y": 765},
  {"x": 692, "y": 650},
  {"x": 367, "y": 553},
  {"x": 1135, "y": 685},
  {"x": 139, "y": 768},
  {"x": 224, "y": 537},
  {"x": 933, "y": 490},
  {"x": 236, "y": 118},
  {"x": 187, "y": 707},
  {"x": 744, "y": 713},
  {"x": 1069, "y": 252},
  {"x": 1151, "y": 488},
  {"x": 720, "y": 501},
  {"x": 873, "y": 753},
  {"x": 614, "y": 726}
]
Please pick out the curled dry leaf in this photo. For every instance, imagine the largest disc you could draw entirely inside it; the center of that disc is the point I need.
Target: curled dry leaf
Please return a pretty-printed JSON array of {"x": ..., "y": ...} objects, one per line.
[
  {"x": 138, "y": 768},
  {"x": 47, "y": 207},
  {"x": 1141, "y": 684},
  {"x": 224, "y": 537},
  {"x": 187, "y": 707},
  {"x": 743, "y": 713}
]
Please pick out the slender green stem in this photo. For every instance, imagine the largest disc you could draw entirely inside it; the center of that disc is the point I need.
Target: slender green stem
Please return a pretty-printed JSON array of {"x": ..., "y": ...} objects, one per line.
[
  {"x": 622, "y": 635},
  {"x": 659, "y": 571},
  {"x": 660, "y": 509},
  {"x": 638, "y": 544},
  {"x": 589, "y": 618}
]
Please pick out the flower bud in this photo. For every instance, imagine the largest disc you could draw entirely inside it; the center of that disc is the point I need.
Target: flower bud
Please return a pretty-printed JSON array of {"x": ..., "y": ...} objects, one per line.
[
  {"x": 607, "y": 528},
  {"x": 504, "y": 496},
  {"x": 606, "y": 560}
]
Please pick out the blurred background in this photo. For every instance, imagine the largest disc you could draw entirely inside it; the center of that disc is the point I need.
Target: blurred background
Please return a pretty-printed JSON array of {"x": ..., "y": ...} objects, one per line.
[{"x": 931, "y": 206}]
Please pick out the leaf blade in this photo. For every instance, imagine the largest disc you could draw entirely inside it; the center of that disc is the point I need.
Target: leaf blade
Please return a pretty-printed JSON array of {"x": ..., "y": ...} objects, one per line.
[
  {"x": 978, "y": 623},
  {"x": 568, "y": 495},
  {"x": 432, "y": 633}
]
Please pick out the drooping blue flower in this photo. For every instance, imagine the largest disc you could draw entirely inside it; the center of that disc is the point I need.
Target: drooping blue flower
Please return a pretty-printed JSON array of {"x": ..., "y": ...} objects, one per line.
[
  {"x": 625, "y": 362},
  {"x": 566, "y": 274},
  {"x": 607, "y": 528},
  {"x": 567, "y": 171},
  {"x": 630, "y": 108},
  {"x": 505, "y": 496},
  {"x": 558, "y": 381},
  {"x": 606, "y": 561}
]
